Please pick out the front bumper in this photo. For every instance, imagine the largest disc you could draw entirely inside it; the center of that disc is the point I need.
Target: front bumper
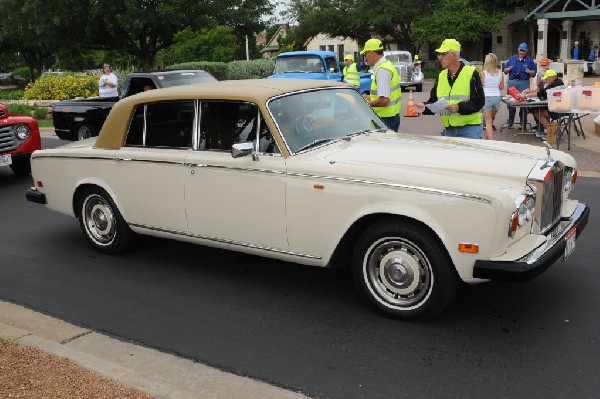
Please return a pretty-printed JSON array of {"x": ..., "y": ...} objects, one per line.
[
  {"x": 535, "y": 262},
  {"x": 34, "y": 195}
]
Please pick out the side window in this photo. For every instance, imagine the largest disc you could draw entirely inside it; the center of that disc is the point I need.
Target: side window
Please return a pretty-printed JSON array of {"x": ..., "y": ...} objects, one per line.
[
  {"x": 331, "y": 64},
  {"x": 223, "y": 124},
  {"x": 168, "y": 124}
]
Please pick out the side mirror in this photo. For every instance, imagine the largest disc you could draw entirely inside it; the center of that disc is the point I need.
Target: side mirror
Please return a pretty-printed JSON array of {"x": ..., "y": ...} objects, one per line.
[{"x": 242, "y": 149}]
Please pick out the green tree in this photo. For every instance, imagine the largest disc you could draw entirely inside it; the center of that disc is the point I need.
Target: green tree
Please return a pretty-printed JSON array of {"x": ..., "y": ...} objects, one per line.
[
  {"x": 217, "y": 44},
  {"x": 359, "y": 20},
  {"x": 37, "y": 29},
  {"x": 463, "y": 20}
]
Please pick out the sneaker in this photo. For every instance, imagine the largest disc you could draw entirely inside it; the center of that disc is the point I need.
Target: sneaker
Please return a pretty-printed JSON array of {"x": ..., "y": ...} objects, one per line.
[{"x": 508, "y": 125}]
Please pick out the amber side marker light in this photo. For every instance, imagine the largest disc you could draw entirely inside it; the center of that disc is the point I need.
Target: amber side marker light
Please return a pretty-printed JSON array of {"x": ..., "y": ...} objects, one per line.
[
  {"x": 319, "y": 186},
  {"x": 468, "y": 248}
]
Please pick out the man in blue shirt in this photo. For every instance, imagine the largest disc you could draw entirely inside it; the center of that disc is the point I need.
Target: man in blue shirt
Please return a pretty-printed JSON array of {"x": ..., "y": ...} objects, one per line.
[
  {"x": 519, "y": 68},
  {"x": 576, "y": 51}
]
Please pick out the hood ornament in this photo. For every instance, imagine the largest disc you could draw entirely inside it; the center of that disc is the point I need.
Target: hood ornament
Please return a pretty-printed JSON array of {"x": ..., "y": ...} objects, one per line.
[{"x": 548, "y": 148}]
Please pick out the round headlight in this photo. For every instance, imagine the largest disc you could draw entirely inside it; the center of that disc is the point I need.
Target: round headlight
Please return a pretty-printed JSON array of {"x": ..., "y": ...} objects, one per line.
[{"x": 23, "y": 132}]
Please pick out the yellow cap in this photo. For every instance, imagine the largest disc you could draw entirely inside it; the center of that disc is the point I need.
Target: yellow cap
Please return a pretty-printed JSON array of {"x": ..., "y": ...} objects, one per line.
[
  {"x": 416, "y": 57},
  {"x": 449, "y": 45},
  {"x": 372, "y": 45},
  {"x": 349, "y": 57},
  {"x": 548, "y": 73}
]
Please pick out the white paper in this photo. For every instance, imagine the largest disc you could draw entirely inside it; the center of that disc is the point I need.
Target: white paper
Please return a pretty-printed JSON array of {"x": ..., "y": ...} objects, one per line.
[{"x": 438, "y": 106}]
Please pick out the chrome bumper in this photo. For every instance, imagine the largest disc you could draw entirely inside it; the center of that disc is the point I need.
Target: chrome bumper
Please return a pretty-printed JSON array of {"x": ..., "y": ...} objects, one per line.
[{"x": 538, "y": 260}]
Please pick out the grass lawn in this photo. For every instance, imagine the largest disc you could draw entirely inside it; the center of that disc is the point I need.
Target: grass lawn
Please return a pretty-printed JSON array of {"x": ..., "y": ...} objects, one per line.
[{"x": 45, "y": 123}]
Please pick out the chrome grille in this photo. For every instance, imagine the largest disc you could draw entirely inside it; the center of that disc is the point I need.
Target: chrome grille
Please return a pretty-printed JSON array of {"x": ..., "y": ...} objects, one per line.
[
  {"x": 552, "y": 201},
  {"x": 547, "y": 177},
  {"x": 405, "y": 74},
  {"x": 8, "y": 141}
]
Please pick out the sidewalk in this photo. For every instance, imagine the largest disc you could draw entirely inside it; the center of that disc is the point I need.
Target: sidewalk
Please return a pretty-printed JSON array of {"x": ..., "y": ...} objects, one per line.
[{"x": 148, "y": 370}]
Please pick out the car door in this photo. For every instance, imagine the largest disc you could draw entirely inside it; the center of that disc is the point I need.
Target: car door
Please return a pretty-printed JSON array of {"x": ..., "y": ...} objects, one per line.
[
  {"x": 150, "y": 171},
  {"x": 235, "y": 200}
]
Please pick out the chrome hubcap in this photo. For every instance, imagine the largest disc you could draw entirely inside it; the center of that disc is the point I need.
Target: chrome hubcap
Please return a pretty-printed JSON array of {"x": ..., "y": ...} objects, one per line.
[
  {"x": 398, "y": 273},
  {"x": 99, "y": 219}
]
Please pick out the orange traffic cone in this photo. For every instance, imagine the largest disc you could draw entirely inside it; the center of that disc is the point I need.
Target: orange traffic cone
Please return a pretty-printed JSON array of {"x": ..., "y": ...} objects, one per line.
[{"x": 410, "y": 108}]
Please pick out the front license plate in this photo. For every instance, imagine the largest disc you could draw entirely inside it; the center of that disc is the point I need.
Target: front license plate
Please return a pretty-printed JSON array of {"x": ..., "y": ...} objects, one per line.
[
  {"x": 5, "y": 160},
  {"x": 570, "y": 242}
]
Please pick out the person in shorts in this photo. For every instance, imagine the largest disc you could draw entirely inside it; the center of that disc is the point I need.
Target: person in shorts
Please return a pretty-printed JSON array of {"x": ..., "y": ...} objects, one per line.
[{"x": 492, "y": 81}]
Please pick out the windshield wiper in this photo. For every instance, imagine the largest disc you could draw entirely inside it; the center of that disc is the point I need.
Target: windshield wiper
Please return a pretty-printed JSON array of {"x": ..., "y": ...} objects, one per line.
[
  {"x": 365, "y": 131},
  {"x": 315, "y": 143}
]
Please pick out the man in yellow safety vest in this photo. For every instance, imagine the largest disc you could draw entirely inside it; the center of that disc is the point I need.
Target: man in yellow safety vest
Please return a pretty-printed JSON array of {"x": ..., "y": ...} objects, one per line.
[
  {"x": 457, "y": 94},
  {"x": 351, "y": 74},
  {"x": 386, "y": 92}
]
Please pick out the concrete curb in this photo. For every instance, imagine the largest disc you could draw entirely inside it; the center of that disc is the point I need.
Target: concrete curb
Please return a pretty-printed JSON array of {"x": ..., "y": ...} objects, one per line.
[{"x": 159, "y": 374}]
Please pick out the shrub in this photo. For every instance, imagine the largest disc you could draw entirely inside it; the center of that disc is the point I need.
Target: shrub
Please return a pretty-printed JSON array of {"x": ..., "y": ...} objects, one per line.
[
  {"x": 217, "y": 69},
  {"x": 253, "y": 69},
  {"x": 63, "y": 87},
  {"x": 235, "y": 70},
  {"x": 24, "y": 73},
  {"x": 26, "y": 109}
]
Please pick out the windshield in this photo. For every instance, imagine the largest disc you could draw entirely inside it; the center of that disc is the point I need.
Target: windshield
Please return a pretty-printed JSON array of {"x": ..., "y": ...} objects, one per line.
[
  {"x": 185, "y": 78},
  {"x": 313, "y": 118},
  {"x": 299, "y": 63},
  {"x": 402, "y": 58}
]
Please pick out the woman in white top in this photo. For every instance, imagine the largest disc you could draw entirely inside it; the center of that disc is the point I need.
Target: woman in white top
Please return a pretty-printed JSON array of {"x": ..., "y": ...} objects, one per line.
[
  {"x": 108, "y": 84},
  {"x": 493, "y": 81}
]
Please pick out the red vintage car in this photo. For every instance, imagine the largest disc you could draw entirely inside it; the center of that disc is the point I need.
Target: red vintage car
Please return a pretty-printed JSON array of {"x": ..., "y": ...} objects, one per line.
[{"x": 19, "y": 138}]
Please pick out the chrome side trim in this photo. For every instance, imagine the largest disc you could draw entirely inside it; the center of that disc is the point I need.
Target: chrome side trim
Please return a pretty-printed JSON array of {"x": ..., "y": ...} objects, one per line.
[
  {"x": 107, "y": 158},
  {"x": 235, "y": 168},
  {"x": 224, "y": 241},
  {"x": 429, "y": 190}
]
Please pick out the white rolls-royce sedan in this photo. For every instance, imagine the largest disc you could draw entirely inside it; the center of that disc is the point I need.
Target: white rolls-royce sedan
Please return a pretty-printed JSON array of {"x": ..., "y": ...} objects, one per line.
[{"x": 306, "y": 172}]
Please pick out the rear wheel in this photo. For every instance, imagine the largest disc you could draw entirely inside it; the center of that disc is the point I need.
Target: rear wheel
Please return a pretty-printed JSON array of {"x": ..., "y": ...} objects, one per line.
[
  {"x": 85, "y": 131},
  {"x": 420, "y": 87},
  {"x": 403, "y": 270},
  {"x": 102, "y": 223}
]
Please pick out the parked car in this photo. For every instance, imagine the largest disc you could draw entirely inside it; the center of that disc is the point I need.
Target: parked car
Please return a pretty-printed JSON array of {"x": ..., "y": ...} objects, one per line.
[
  {"x": 409, "y": 76},
  {"x": 305, "y": 171},
  {"x": 320, "y": 65},
  {"x": 19, "y": 138},
  {"x": 83, "y": 118}
]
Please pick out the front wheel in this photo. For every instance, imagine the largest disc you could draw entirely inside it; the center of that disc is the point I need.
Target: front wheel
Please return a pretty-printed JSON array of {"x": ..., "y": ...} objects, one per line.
[
  {"x": 403, "y": 270},
  {"x": 102, "y": 223},
  {"x": 420, "y": 87}
]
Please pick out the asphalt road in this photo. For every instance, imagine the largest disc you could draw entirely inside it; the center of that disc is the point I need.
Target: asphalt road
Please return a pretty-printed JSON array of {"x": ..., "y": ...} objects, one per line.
[{"x": 305, "y": 328}]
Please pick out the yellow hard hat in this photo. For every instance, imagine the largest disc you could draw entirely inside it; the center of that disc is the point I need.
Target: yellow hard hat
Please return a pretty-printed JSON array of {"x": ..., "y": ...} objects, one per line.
[
  {"x": 349, "y": 57},
  {"x": 549, "y": 73},
  {"x": 416, "y": 57},
  {"x": 372, "y": 45},
  {"x": 449, "y": 45}
]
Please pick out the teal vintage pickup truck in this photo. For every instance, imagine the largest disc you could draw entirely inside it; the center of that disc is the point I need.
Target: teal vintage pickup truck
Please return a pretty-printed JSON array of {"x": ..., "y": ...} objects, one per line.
[{"x": 320, "y": 65}]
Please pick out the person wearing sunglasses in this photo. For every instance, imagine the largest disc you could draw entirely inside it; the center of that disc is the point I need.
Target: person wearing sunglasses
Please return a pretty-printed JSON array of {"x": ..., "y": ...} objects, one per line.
[{"x": 458, "y": 94}]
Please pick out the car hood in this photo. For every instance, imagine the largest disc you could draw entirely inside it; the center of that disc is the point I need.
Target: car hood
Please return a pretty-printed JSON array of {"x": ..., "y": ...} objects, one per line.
[{"x": 445, "y": 163}]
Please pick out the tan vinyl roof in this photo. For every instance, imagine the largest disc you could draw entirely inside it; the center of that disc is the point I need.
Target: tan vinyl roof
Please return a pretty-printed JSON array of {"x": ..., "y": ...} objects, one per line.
[{"x": 112, "y": 135}]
